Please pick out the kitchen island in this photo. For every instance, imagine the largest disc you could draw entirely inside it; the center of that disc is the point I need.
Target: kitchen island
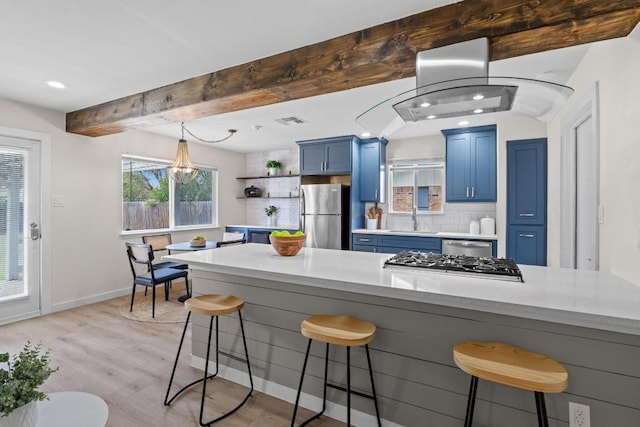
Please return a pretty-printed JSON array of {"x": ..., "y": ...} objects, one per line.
[{"x": 589, "y": 321}]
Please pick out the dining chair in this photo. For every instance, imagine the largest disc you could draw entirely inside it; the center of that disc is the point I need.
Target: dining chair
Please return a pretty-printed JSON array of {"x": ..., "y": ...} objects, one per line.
[
  {"x": 228, "y": 236},
  {"x": 159, "y": 243},
  {"x": 142, "y": 254}
]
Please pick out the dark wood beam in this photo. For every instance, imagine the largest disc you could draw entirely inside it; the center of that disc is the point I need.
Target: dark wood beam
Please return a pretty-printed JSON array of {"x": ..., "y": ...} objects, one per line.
[{"x": 375, "y": 55}]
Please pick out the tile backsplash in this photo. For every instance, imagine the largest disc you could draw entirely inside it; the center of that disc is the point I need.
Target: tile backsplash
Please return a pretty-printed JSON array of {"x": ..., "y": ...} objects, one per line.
[
  {"x": 456, "y": 217},
  {"x": 278, "y": 188}
]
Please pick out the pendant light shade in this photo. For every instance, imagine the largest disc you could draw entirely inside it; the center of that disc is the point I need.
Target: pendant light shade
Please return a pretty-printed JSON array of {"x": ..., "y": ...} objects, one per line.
[{"x": 182, "y": 170}]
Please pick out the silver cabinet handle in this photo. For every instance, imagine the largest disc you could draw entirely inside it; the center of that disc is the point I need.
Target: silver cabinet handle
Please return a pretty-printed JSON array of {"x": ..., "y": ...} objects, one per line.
[
  {"x": 362, "y": 239},
  {"x": 526, "y": 214},
  {"x": 467, "y": 192},
  {"x": 527, "y": 235},
  {"x": 473, "y": 192},
  {"x": 376, "y": 195}
]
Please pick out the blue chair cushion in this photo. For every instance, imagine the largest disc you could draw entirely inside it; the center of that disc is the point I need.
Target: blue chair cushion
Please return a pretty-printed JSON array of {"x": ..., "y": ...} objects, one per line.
[{"x": 161, "y": 275}]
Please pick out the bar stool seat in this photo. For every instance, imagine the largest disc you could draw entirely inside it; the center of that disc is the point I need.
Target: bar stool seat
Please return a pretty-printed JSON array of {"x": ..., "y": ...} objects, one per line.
[
  {"x": 344, "y": 331},
  {"x": 512, "y": 366},
  {"x": 212, "y": 306}
]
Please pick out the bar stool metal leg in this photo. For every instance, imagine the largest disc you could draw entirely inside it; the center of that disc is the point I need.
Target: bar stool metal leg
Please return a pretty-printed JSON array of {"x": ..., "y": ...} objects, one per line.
[
  {"x": 373, "y": 387},
  {"x": 304, "y": 368},
  {"x": 471, "y": 401},
  {"x": 541, "y": 409}
]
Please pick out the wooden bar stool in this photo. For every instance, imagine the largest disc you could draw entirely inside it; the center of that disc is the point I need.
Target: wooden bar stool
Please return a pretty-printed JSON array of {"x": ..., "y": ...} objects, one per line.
[
  {"x": 213, "y": 306},
  {"x": 512, "y": 366},
  {"x": 344, "y": 331}
]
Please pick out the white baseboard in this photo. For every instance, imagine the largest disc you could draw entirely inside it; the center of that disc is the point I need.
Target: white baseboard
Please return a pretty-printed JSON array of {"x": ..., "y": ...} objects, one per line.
[
  {"x": 313, "y": 403},
  {"x": 89, "y": 300}
]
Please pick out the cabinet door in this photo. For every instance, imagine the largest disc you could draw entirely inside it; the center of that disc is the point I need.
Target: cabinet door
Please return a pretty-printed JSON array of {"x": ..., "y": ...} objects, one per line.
[
  {"x": 338, "y": 157},
  {"x": 370, "y": 172},
  {"x": 311, "y": 159},
  {"x": 526, "y": 182},
  {"x": 483, "y": 166},
  {"x": 365, "y": 248},
  {"x": 458, "y": 162},
  {"x": 527, "y": 244}
]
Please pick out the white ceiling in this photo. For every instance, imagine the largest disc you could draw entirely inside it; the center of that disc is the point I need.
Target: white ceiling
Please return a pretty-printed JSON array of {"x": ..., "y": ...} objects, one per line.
[{"x": 107, "y": 49}]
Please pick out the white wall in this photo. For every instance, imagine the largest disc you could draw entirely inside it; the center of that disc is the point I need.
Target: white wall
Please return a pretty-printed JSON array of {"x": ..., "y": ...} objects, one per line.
[
  {"x": 87, "y": 251},
  {"x": 615, "y": 64}
]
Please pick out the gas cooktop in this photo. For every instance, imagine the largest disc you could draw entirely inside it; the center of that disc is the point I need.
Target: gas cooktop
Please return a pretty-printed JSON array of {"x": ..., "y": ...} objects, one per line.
[{"x": 496, "y": 268}]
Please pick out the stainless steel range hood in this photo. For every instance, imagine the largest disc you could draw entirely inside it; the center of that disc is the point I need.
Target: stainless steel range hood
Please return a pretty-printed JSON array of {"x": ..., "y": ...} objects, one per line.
[{"x": 454, "y": 81}]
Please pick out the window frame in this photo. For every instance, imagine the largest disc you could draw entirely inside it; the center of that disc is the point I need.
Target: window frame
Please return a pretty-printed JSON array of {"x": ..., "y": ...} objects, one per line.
[
  {"x": 415, "y": 165},
  {"x": 172, "y": 194}
]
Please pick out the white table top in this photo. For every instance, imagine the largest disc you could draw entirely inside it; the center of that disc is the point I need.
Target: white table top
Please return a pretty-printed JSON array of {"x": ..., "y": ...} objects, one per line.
[
  {"x": 72, "y": 409},
  {"x": 574, "y": 297}
]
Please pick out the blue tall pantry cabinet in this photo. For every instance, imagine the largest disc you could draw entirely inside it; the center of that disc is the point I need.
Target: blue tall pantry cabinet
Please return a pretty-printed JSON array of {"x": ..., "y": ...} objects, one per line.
[{"x": 527, "y": 201}]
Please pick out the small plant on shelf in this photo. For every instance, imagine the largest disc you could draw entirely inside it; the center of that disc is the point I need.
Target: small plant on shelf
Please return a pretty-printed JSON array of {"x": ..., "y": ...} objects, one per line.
[
  {"x": 270, "y": 210},
  {"x": 273, "y": 167},
  {"x": 20, "y": 377}
]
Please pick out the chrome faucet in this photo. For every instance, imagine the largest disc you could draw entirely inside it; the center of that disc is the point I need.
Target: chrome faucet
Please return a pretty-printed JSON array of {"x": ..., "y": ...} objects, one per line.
[{"x": 414, "y": 217}]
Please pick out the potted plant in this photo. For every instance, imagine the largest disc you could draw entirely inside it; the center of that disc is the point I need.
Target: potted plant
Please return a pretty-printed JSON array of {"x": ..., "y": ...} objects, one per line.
[
  {"x": 271, "y": 214},
  {"x": 273, "y": 167},
  {"x": 20, "y": 377}
]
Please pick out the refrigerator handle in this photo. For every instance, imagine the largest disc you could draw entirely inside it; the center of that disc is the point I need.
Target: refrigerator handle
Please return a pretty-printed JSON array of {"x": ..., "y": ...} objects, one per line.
[{"x": 302, "y": 210}]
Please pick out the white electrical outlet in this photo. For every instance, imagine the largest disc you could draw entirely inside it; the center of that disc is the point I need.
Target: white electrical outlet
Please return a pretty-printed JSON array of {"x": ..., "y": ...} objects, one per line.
[{"x": 579, "y": 415}]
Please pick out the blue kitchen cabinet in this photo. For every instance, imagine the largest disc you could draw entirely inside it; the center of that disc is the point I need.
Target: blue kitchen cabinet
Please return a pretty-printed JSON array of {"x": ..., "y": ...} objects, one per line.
[
  {"x": 372, "y": 178},
  {"x": 255, "y": 235},
  {"x": 527, "y": 201},
  {"x": 394, "y": 244},
  {"x": 527, "y": 244},
  {"x": 471, "y": 164},
  {"x": 328, "y": 156}
]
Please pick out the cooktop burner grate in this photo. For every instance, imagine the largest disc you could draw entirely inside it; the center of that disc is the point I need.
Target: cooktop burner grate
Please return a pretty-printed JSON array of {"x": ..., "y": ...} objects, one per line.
[{"x": 504, "y": 268}]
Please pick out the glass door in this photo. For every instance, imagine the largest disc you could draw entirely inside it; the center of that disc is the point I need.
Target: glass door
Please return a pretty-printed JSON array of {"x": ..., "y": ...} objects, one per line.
[{"x": 19, "y": 228}]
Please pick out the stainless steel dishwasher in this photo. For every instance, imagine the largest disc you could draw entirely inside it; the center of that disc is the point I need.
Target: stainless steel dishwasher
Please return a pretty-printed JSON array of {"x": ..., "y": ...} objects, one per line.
[{"x": 467, "y": 247}]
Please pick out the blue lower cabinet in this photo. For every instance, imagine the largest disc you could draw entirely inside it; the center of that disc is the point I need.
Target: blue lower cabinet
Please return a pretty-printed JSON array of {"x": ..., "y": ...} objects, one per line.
[
  {"x": 527, "y": 244},
  {"x": 255, "y": 235},
  {"x": 364, "y": 248},
  {"x": 395, "y": 244}
]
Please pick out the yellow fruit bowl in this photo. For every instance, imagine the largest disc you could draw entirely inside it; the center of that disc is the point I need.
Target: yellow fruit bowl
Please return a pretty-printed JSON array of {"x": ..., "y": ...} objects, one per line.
[{"x": 287, "y": 245}]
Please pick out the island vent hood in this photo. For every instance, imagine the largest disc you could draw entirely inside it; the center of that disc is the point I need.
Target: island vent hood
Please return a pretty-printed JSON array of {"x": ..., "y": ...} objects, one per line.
[{"x": 454, "y": 81}]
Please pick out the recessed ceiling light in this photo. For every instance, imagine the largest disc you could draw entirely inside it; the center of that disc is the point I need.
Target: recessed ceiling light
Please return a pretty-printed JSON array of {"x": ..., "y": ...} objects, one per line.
[
  {"x": 365, "y": 134},
  {"x": 478, "y": 97},
  {"x": 478, "y": 110},
  {"x": 463, "y": 123},
  {"x": 55, "y": 84},
  {"x": 431, "y": 117},
  {"x": 425, "y": 104}
]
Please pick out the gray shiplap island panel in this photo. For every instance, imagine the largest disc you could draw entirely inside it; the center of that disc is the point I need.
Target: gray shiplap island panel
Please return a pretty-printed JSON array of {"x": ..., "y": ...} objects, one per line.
[{"x": 417, "y": 381}]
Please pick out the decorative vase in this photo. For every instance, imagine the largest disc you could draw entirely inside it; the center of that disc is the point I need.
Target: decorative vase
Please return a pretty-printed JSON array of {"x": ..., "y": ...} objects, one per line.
[
  {"x": 273, "y": 221},
  {"x": 24, "y": 416}
]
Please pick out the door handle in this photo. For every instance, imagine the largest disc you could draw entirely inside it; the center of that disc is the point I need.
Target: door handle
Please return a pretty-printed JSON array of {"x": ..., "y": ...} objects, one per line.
[
  {"x": 34, "y": 231},
  {"x": 376, "y": 195},
  {"x": 473, "y": 192},
  {"x": 526, "y": 214},
  {"x": 526, "y": 235},
  {"x": 467, "y": 192}
]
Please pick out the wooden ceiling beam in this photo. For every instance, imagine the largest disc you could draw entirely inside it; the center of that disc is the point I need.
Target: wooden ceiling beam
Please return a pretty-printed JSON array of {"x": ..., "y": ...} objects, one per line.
[{"x": 378, "y": 54}]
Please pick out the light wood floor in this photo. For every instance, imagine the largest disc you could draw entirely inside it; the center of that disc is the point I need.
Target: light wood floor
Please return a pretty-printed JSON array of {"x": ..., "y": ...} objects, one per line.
[{"x": 128, "y": 364}]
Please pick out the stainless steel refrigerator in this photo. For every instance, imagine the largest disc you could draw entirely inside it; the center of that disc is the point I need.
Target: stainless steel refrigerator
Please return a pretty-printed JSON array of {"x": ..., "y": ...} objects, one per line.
[{"x": 324, "y": 215}]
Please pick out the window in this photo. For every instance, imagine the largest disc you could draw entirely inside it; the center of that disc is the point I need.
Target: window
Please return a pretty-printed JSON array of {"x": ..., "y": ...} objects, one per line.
[
  {"x": 152, "y": 201},
  {"x": 418, "y": 183}
]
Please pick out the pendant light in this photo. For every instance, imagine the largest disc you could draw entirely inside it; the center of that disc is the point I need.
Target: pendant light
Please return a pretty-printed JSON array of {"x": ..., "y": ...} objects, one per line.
[{"x": 182, "y": 171}]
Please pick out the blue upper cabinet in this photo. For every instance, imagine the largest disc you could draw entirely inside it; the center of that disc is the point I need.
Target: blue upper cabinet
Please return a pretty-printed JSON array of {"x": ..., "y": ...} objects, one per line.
[
  {"x": 329, "y": 156},
  {"x": 471, "y": 164},
  {"x": 373, "y": 170}
]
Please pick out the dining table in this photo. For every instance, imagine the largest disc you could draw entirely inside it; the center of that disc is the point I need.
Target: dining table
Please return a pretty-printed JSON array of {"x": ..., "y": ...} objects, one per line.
[{"x": 187, "y": 247}]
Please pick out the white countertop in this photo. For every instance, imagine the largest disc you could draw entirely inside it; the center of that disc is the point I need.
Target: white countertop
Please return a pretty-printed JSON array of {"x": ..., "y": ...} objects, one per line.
[
  {"x": 574, "y": 297},
  {"x": 439, "y": 234},
  {"x": 267, "y": 227}
]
